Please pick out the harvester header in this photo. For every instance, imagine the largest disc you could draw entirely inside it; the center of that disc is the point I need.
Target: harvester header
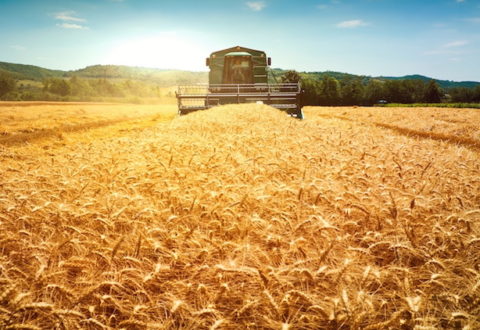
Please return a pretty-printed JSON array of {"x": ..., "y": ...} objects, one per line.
[{"x": 239, "y": 75}]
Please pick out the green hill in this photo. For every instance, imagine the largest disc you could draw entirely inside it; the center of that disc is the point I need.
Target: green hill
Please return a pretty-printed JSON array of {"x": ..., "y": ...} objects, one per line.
[
  {"x": 442, "y": 83},
  {"x": 177, "y": 77},
  {"x": 30, "y": 72},
  {"x": 341, "y": 76},
  {"x": 159, "y": 76},
  {"x": 277, "y": 72}
]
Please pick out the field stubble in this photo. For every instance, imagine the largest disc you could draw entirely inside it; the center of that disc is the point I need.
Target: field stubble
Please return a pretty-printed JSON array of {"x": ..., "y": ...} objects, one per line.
[{"x": 242, "y": 217}]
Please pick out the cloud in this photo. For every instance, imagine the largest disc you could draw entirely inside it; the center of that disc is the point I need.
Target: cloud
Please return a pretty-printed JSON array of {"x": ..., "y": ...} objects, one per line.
[
  {"x": 327, "y": 4},
  {"x": 72, "y": 26},
  {"x": 457, "y": 43},
  {"x": 68, "y": 16},
  {"x": 475, "y": 20},
  {"x": 18, "y": 47},
  {"x": 256, "y": 5},
  {"x": 352, "y": 24},
  {"x": 453, "y": 48},
  {"x": 70, "y": 20}
]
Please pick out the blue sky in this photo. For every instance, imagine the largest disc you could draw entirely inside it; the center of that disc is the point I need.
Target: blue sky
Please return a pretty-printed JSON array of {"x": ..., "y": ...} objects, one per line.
[{"x": 438, "y": 38}]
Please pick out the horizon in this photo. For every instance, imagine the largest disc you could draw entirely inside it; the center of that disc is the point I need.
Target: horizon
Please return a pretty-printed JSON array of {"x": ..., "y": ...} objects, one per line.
[
  {"x": 438, "y": 39},
  {"x": 206, "y": 71}
]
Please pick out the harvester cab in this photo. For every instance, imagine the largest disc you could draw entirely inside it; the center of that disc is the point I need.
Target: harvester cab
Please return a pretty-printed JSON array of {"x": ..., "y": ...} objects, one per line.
[
  {"x": 238, "y": 68},
  {"x": 239, "y": 75}
]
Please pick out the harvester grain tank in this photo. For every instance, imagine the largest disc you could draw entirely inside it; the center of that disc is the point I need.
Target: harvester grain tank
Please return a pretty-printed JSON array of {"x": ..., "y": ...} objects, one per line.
[{"x": 239, "y": 75}]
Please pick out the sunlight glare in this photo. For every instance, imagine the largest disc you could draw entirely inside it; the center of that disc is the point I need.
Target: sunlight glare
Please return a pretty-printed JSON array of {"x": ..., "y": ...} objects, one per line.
[{"x": 164, "y": 51}]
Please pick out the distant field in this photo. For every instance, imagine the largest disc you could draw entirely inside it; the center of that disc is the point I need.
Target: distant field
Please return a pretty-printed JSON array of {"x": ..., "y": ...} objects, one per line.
[
  {"x": 241, "y": 217},
  {"x": 26, "y": 121},
  {"x": 455, "y": 125},
  {"x": 435, "y": 105}
]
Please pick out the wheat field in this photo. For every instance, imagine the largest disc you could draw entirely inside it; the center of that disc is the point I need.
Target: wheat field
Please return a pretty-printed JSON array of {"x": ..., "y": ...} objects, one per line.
[
  {"x": 22, "y": 122},
  {"x": 242, "y": 217}
]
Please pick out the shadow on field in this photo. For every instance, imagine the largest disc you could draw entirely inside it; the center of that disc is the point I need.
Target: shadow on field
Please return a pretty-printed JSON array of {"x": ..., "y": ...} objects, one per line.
[
  {"x": 456, "y": 140},
  {"x": 33, "y": 134},
  {"x": 36, "y": 134}
]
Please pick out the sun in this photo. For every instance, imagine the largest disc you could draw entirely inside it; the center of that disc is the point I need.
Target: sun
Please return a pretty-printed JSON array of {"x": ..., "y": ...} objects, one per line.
[{"x": 164, "y": 50}]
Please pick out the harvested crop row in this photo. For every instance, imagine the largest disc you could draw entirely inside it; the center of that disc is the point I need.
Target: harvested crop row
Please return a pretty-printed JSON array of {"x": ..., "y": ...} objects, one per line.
[
  {"x": 16, "y": 119},
  {"x": 241, "y": 217},
  {"x": 456, "y": 124}
]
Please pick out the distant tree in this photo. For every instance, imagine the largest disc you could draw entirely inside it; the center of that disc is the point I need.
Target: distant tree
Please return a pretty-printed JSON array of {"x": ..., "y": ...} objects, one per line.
[
  {"x": 400, "y": 91},
  {"x": 291, "y": 76},
  {"x": 58, "y": 86},
  {"x": 352, "y": 92},
  {"x": 417, "y": 89},
  {"x": 462, "y": 94},
  {"x": 433, "y": 93},
  {"x": 476, "y": 94},
  {"x": 7, "y": 83},
  {"x": 408, "y": 91},
  {"x": 329, "y": 91},
  {"x": 311, "y": 91},
  {"x": 104, "y": 87},
  {"x": 374, "y": 92},
  {"x": 138, "y": 88},
  {"x": 80, "y": 87}
]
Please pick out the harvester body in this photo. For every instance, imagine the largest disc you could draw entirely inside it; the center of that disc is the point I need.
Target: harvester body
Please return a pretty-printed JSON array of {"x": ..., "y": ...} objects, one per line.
[{"x": 239, "y": 75}]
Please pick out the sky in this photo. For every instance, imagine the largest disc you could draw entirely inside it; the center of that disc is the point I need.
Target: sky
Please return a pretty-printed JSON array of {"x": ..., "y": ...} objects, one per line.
[{"x": 439, "y": 39}]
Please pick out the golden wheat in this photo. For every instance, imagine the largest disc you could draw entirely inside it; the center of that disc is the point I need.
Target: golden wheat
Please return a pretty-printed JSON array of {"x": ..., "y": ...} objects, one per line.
[{"x": 241, "y": 217}]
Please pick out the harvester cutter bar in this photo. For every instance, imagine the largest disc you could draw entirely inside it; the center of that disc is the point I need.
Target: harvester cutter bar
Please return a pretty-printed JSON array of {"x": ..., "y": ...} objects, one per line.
[{"x": 199, "y": 97}]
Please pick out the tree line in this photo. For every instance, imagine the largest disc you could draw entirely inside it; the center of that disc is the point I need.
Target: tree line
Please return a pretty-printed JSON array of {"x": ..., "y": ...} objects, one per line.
[
  {"x": 327, "y": 90},
  {"x": 353, "y": 91},
  {"x": 75, "y": 88},
  {"x": 81, "y": 87}
]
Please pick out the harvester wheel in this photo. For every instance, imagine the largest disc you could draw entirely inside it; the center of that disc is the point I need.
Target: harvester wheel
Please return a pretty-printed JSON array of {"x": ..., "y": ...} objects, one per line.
[
  {"x": 297, "y": 114},
  {"x": 300, "y": 114}
]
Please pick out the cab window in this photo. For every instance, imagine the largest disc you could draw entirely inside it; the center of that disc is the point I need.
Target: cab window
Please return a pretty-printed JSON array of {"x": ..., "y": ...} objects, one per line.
[{"x": 238, "y": 70}]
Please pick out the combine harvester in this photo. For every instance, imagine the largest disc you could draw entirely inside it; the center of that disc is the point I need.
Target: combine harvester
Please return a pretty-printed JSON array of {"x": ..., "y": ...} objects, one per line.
[{"x": 239, "y": 75}]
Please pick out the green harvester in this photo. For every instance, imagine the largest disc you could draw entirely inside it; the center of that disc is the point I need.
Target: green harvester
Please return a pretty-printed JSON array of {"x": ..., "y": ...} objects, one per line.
[{"x": 240, "y": 75}]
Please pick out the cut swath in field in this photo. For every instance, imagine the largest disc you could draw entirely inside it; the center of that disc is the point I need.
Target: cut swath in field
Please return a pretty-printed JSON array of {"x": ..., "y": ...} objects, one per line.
[
  {"x": 25, "y": 123},
  {"x": 465, "y": 133}
]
